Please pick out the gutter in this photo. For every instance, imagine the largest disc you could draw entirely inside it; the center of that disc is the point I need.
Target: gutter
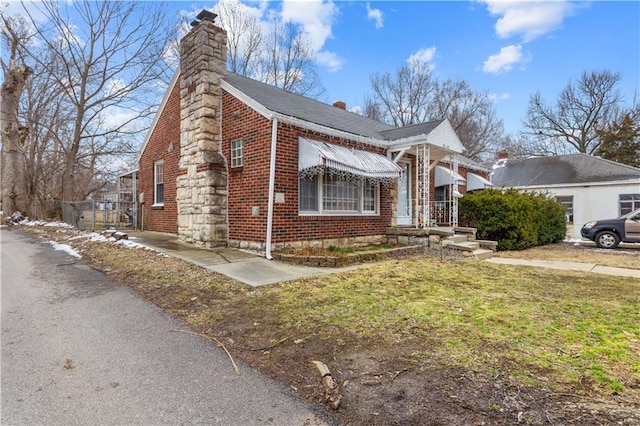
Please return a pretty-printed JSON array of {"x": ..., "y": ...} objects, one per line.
[{"x": 272, "y": 182}]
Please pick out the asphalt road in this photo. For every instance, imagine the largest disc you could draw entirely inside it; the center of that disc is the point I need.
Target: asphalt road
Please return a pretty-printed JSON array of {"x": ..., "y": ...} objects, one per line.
[{"x": 78, "y": 349}]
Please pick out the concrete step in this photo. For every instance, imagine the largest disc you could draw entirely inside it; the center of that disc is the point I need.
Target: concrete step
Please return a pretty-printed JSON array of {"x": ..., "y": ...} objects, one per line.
[
  {"x": 465, "y": 246},
  {"x": 482, "y": 254},
  {"x": 488, "y": 244},
  {"x": 458, "y": 238}
]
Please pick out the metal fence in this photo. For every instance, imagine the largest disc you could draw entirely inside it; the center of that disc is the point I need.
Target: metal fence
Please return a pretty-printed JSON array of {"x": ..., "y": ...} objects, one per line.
[{"x": 99, "y": 215}]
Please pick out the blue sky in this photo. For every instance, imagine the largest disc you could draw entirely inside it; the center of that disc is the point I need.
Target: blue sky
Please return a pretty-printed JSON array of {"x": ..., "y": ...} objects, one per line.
[{"x": 510, "y": 48}]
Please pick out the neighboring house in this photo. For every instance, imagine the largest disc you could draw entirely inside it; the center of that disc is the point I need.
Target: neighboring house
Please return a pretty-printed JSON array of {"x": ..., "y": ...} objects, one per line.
[
  {"x": 590, "y": 187},
  {"x": 230, "y": 161}
]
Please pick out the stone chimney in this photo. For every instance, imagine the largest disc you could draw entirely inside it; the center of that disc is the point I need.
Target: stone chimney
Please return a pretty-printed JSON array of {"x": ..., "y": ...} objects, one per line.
[
  {"x": 202, "y": 177},
  {"x": 340, "y": 104},
  {"x": 503, "y": 154}
]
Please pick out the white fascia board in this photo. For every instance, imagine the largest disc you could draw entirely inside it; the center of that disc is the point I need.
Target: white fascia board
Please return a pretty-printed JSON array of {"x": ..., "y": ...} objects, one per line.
[
  {"x": 250, "y": 102},
  {"x": 443, "y": 136},
  {"x": 156, "y": 118},
  {"x": 329, "y": 131},
  {"x": 578, "y": 185}
]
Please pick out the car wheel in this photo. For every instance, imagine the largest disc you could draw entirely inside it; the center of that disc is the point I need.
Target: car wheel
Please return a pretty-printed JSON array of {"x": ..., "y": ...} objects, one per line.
[{"x": 607, "y": 240}]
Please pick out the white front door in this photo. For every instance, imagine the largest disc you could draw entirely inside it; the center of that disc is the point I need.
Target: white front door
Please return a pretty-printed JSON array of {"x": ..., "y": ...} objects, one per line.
[{"x": 404, "y": 195}]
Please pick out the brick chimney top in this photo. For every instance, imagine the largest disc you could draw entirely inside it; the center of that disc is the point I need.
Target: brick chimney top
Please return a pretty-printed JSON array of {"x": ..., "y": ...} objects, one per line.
[
  {"x": 503, "y": 155},
  {"x": 340, "y": 104}
]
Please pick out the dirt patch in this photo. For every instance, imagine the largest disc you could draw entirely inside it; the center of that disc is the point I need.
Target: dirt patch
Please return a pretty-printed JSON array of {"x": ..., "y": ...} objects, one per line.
[
  {"x": 626, "y": 256},
  {"x": 383, "y": 382}
]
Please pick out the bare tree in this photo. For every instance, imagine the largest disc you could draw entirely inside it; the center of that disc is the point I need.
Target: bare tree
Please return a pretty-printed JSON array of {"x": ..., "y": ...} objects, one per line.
[
  {"x": 404, "y": 97},
  {"x": 274, "y": 52},
  {"x": 14, "y": 133},
  {"x": 412, "y": 95},
  {"x": 288, "y": 61},
  {"x": 472, "y": 115},
  {"x": 104, "y": 64},
  {"x": 244, "y": 36},
  {"x": 581, "y": 110}
]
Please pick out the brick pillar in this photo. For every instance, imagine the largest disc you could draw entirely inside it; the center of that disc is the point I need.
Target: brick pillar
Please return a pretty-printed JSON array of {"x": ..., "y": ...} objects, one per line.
[{"x": 202, "y": 182}]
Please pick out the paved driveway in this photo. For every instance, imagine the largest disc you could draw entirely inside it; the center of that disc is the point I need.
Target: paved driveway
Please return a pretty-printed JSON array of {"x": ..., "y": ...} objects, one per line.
[{"x": 79, "y": 349}]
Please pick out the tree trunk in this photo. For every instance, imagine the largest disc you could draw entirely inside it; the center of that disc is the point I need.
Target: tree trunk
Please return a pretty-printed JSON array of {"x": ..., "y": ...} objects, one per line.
[{"x": 14, "y": 185}]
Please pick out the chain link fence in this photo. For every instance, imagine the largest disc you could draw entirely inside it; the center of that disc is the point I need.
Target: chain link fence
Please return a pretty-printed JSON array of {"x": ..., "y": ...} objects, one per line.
[{"x": 99, "y": 215}]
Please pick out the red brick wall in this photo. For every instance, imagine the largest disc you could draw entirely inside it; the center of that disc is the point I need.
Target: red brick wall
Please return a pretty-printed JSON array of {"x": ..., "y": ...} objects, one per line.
[
  {"x": 164, "y": 144},
  {"x": 249, "y": 185}
]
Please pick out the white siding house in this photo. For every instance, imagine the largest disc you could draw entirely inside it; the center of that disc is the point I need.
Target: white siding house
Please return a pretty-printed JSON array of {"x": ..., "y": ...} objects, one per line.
[{"x": 590, "y": 187}]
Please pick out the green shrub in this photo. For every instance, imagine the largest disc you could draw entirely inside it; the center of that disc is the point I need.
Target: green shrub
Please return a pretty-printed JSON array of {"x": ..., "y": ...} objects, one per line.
[{"x": 515, "y": 219}]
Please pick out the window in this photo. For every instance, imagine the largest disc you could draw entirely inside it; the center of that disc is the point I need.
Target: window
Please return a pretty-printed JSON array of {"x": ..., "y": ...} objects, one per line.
[
  {"x": 158, "y": 179},
  {"x": 628, "y": 203},
  {"x": 237, "y": 157},
  {"x": 330, "y": 194},
  {"x": 567, "y": 201}
]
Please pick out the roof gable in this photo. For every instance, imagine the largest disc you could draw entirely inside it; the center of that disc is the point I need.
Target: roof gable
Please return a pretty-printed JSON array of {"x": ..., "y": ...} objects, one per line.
[{"x": 561, "y": 169}]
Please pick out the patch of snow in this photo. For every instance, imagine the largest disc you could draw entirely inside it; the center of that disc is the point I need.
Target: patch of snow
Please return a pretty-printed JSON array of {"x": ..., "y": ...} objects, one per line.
[
  {"x": 28, "y": 222},
  {"x": 131, "y": 244},
  {"x": 66, "y": 248},
  {"x": 500, "y": 163}
]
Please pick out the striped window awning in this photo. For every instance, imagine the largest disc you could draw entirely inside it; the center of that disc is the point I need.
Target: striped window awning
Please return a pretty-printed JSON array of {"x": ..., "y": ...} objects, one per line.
[
  {"x": 444, "y": 177},
  {"x": 315, "y": 156},
  {"x": 475, "y": 181}
]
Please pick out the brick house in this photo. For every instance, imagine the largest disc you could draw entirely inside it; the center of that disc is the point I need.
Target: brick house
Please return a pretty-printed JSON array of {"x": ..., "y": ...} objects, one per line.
[{"x": 230, "y": 161}]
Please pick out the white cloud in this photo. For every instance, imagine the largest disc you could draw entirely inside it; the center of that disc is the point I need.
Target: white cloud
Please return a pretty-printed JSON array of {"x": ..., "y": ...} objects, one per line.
[
  {"x": 499, "y": 96},
  {"x": 504, "y": 60},
  {"x": 315, "y": 16},
  {"x": 376, "y": 15},
  {"x": 530, "y": 19},
  {"x": 424, "y": 56},
  {"x": 330, "y": 60}
]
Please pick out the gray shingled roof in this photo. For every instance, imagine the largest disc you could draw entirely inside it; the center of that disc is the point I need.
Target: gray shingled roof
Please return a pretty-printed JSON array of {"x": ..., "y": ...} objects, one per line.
[
  {"x": 560, "y": 169},
  {"x": 307, "y": 109},
  {"x": 409, "y": 131}
]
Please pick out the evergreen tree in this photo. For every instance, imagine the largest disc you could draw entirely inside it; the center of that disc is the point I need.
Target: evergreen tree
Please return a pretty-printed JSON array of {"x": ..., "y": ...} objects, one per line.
[{"x": 621, "y": 142}]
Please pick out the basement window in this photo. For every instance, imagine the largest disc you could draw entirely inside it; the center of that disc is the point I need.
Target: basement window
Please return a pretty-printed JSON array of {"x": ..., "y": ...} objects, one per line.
[{"x": 237, "y": 154}]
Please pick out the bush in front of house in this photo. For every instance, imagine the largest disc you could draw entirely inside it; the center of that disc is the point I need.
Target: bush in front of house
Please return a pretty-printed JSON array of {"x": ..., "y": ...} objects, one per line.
[{"x": 516, "y": 220}]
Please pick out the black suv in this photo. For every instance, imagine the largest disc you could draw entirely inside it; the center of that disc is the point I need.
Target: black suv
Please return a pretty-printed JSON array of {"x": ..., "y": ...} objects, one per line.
[{"x": 608, "y": 233}]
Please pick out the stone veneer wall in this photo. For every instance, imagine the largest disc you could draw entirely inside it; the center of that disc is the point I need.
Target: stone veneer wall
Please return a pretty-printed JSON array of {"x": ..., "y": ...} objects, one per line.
[{"x": 201, "y": 193}]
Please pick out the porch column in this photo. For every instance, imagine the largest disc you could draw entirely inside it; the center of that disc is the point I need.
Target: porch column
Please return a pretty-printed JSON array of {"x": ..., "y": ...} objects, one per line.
[{"x": 423, "y": 185}]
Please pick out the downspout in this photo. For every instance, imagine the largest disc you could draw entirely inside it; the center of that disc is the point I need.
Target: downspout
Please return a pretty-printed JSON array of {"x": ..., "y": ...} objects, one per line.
[{"x": 272, "y": 183}]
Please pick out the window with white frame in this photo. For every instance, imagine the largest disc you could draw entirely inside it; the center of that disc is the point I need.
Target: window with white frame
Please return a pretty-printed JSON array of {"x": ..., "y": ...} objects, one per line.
[
  {"x": 237, "y": 154},
  {"x": 333, "y": 194},
  {"x": 158, "y": 180},
  {"x": 628, "y": 203},
  {"x": 567, "y": 201}
]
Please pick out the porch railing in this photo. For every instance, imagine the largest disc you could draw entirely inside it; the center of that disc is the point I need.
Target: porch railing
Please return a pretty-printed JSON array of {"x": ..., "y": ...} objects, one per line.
[{"x": 440, "y": 214}]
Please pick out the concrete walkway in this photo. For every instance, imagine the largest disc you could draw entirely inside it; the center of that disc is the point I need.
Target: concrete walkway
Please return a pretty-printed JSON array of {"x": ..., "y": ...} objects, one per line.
[
  {"x": 572, "y": 266},
  {"x": 245, "y": 267},
  {"x": 255, "y": 270}
]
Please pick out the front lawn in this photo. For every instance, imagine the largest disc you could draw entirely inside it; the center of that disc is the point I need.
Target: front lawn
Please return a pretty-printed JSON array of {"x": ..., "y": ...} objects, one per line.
[{"x": 423, "y": 340}]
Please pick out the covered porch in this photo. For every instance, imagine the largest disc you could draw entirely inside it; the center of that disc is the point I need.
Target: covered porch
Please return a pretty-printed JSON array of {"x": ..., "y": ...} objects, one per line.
[{"x": 428, "y": 189}]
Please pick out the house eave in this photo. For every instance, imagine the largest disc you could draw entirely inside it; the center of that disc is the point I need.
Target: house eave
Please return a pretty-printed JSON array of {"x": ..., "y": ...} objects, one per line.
[{"x": 572, "y": 185}]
